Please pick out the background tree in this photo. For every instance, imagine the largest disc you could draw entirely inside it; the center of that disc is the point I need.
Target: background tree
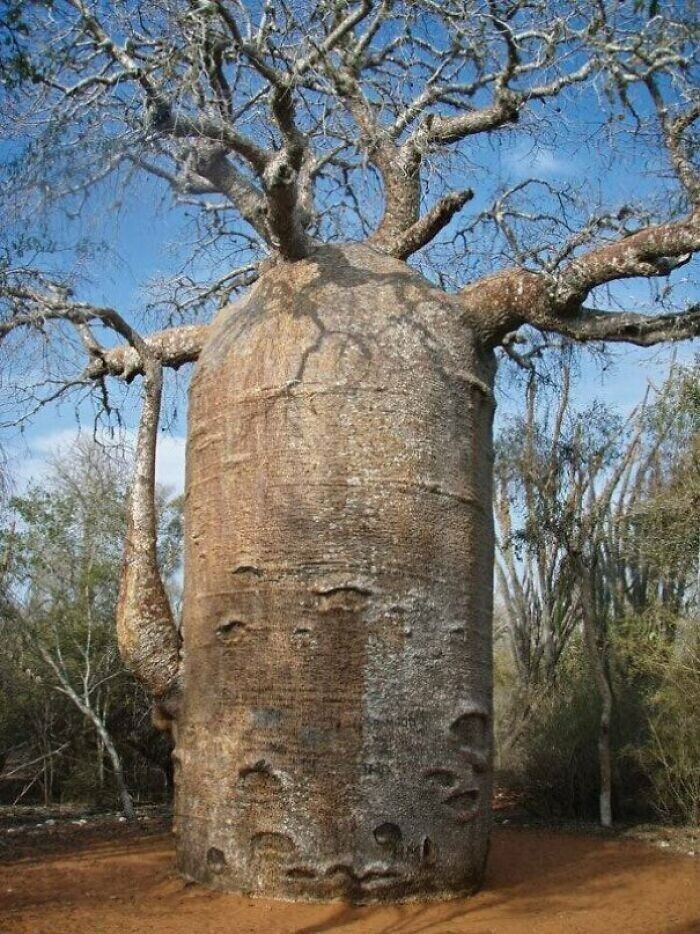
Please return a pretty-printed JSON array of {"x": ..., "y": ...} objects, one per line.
[
  {"x": 583, "y": 487},
  {"x": 290, "y": 131},
  {"x": 533, "y": 573},
  {"x": 64, "y": 539}
]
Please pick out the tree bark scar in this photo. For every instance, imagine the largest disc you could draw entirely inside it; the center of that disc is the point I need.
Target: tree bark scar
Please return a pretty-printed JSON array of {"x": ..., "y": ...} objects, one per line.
[{"x": 336, "y": 731}]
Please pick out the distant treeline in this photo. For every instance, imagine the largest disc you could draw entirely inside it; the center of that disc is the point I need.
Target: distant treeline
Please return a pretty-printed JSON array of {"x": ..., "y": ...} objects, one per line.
[{"x": 597, "y": 636}]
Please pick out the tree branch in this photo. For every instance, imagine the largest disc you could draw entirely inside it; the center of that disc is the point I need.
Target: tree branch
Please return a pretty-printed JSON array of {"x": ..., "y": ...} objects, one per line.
[
  {"x": 498, "y": 305},
  {"x": 429, "y": 226},
  {"x": 591, "y": 324},
  {"x": 172, "y": 347},
  {"x": 654, "y": 251}
]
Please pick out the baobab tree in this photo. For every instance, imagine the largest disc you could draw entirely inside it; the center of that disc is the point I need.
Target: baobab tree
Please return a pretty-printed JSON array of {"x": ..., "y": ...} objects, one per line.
[{"x": 331, "y": 699}]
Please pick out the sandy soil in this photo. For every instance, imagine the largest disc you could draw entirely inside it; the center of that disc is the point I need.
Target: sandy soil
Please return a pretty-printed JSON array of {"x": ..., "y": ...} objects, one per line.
[{"x": 121, "y": 879}]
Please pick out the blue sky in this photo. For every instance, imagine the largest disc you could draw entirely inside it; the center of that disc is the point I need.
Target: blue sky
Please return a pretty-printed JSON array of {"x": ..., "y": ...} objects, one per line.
[
  {"x": 142, "y": 249},
  {"x": 146, "y": 238}
]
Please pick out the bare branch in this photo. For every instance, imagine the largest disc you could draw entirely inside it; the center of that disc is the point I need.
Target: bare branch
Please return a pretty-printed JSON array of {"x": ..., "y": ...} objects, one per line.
[
  {"x": 427, "y": 228},
  {"x": 172, "y": 348},
  {"x": 653, "y": 251},
  {"x": 591, "y": 324}
]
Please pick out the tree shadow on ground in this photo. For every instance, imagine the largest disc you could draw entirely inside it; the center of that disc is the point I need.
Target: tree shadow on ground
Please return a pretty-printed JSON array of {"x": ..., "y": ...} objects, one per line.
[
  {"x": 537, "y": 880},
  {"x": 532, "y": 876}
]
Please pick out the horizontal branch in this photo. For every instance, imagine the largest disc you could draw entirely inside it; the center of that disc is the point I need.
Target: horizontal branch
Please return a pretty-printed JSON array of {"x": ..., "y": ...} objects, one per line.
[
  {"x": 591, "y": 324},
  {"x": 429, "y": 226},
  {"x": 182, "y": 126},
  {"x": 655, "y": 251},
  {"x": 498, "y": 305},
  {"x": 444, "y": 130},
  {"x": 248, "y": 200},
  {"x": 173, "y": 347}
]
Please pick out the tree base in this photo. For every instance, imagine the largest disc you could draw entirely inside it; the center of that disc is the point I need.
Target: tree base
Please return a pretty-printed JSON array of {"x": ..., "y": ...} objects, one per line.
[{"x": 333, "y": 880}]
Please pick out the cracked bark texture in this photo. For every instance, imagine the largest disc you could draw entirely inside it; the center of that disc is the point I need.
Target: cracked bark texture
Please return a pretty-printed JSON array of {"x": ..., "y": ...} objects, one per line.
[{"x": 335, "y": 736}]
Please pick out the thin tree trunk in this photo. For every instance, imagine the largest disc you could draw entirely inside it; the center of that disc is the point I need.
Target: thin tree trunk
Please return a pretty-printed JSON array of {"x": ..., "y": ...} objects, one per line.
[
  {"x": 126, "y": 799},
  {"x": 87, "y": 711},
  {"x": 604, "y": 693},
  {"x": 46, "y": 783},
  {"x": 100, "y": 761}
]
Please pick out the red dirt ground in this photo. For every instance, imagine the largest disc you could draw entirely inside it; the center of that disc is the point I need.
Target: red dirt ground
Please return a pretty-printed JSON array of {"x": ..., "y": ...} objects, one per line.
[{"x": 121, "y": 879}]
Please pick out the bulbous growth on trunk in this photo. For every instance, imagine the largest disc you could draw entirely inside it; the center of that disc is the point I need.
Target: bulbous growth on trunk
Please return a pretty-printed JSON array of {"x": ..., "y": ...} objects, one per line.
[
  {"x": 335, "y": 737},
  {"x": 146, "y": 632}
]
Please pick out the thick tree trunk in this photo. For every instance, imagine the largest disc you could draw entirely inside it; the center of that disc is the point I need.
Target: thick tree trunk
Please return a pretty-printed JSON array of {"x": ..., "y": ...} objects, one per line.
[{"x": 336, "y": 733}]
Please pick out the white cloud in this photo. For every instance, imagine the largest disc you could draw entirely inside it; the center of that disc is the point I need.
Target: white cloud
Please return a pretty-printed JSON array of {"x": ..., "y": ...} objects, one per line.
[
  {"x": 170, "y": 462},
  {"x": 527, "y": 160},
  {"x": 32, "y": 460}
]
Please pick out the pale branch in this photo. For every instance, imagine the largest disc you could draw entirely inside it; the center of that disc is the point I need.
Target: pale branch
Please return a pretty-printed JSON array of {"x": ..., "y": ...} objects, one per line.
[
  {"x": 498, "y": 305},
  {"x": 251, "y": 51},
  {"x": 654, "y": 251},
  {"x": 427, "y": 227},
  {"x": 399, "y": 170},
  {"x": 284, "y": 221},
  {"x": 336, "y": 35},
  {"x": 673, "y": 129},
  {"x": 183, "y": 294},
  {"x": 399, "y": 165},
  {"x": 172, "y": 347},
  {"x": 503, "y": 110},
  {"x": 161, "y": 114},
  {"x": 182, "y": 183},
  {"x": 524, "y": 361},
  {"x": 114, "y": 50},
  {"x": 400, "y": 173},
  {"x": 52, "y": 303},
  {"x": 148, "y": 638},
  {"x": 555, "y": 87},
  {"x": 312, "y": 167},
  {"x": 590, "y": 324},
  {"x": 273, "y": 212},
  {"x": 686, "y": 171},
  {"x": 163, "y": 119},
  {"x": 248, "y": 200}
]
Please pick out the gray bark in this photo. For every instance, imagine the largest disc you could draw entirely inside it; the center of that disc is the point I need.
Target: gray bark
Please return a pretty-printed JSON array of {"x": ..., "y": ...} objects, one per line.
[
  {"x": 335, "y": 736},
  {"x": 605, "y": 695}
]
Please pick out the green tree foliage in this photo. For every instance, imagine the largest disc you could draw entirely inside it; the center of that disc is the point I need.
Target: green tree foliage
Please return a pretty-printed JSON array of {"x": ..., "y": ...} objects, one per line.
[
  {"x": 63, "y": 539},
  {"x": 618, "y": 504}
]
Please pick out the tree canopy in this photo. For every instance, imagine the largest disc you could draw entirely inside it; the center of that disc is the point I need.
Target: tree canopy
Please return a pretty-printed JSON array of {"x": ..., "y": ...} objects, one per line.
[{"x": 279, "y": 126}]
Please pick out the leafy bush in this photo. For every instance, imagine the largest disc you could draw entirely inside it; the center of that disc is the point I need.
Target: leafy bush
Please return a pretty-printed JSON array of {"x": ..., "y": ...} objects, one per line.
[
  {"x": 558, "y": 763},
  {"x": 671, "y": 754}
]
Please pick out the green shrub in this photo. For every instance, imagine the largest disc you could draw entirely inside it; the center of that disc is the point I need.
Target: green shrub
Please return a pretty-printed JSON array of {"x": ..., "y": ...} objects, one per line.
[
  {"x": 671, "y": 754},
  {"x": 559, "y": 771},
  {"x": 559, "y": 760}
]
